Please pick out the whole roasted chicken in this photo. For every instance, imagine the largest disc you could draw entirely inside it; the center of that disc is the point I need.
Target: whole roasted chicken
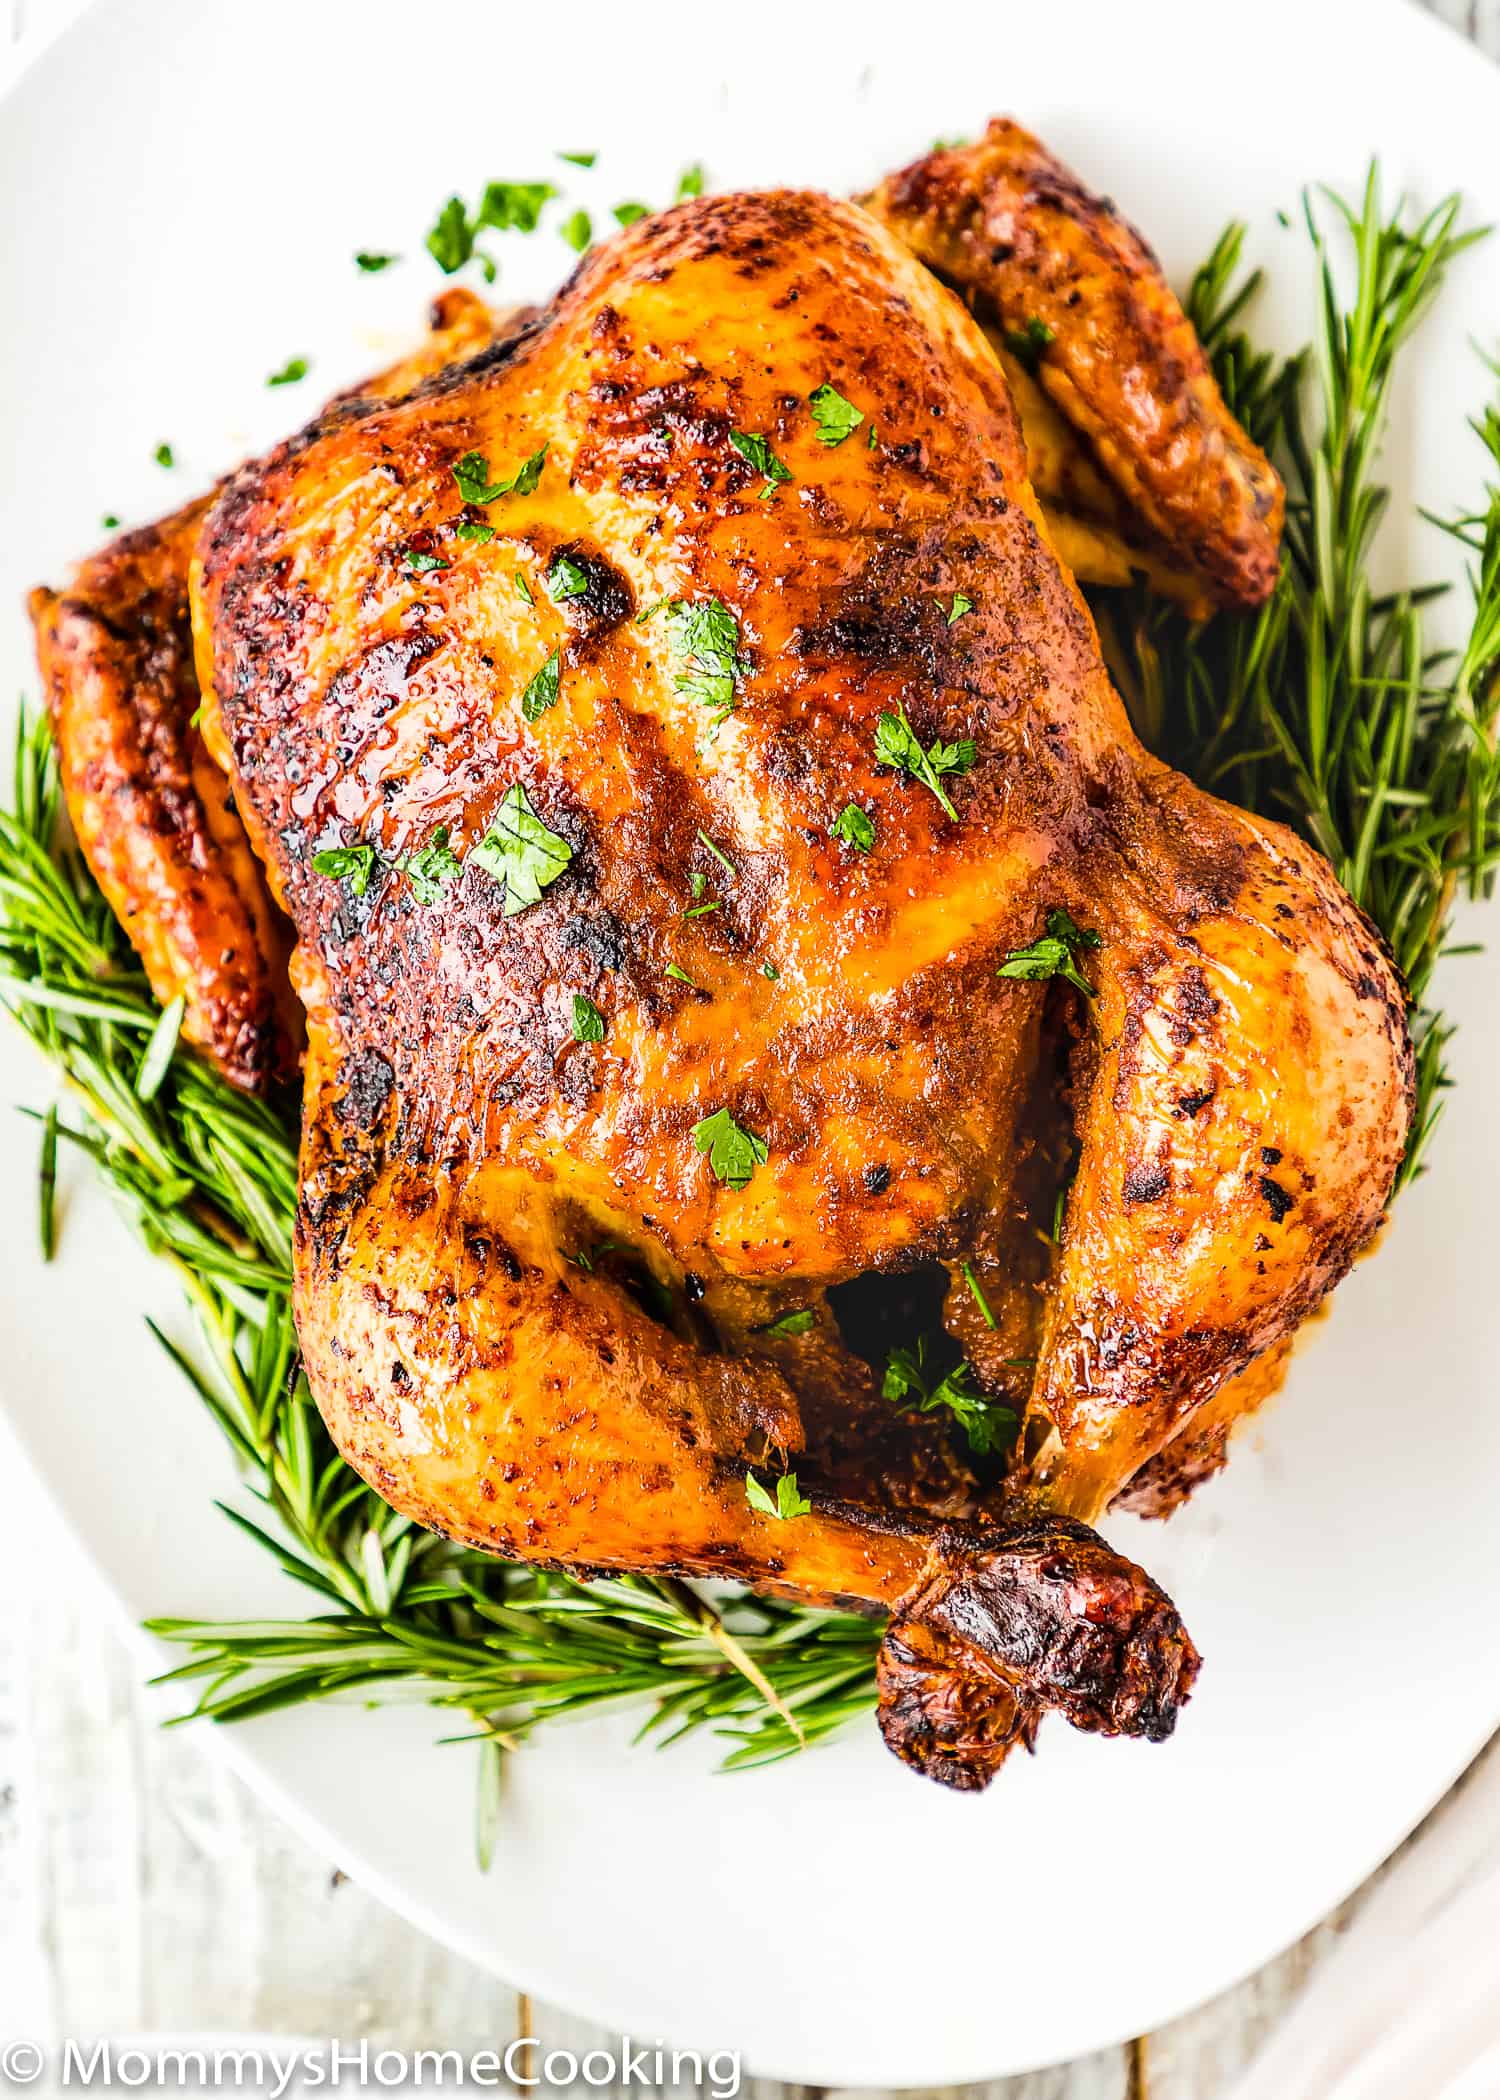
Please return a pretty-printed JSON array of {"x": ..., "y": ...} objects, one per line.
[{"x": 771, "y": 1030}]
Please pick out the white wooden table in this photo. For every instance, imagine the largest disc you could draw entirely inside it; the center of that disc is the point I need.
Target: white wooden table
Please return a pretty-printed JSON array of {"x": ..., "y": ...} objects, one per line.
[{"x": 143, "y": 1888}]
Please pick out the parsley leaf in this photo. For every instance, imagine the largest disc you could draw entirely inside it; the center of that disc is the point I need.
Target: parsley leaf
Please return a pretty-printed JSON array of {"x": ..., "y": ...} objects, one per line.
[
  {"x": 352, "y": 864},
  {"x": 566, "y": 579},
  {"x": 579, "y": 160},
  {"x": 751, "y": 445},
  {"x": 523, "y": 588},
  {"x": 589, "y": 1025},
  {"x": 470, "y": 529},
  {"x": 431, "y": 868},
  {"x": 578, "y": 231},
  {"x": 1054, "y": 953},
  {"x": 959, "y": 607},
  {"x": 1027, "y": 343},
  {"x": 521, "y": 852},
  {"x": 418, "y": 564},
  {"x": 472, "y": 473},
  {"x": 770, "y": 970},
  {"x": 704, "y": 634},
  {"x": 109, "y": 521},
  {"x": 163, "y": 455},
  {"x": 450, "y": 238},
  {"x": 988, "y": 1424},
  {"x": 897, "y": 744},
  {"x": 542, "y": 690},
  {"x": 294, "y": 369},
  {"x": 854, "y": 827},
  {"x": 733, "y": 1153},
  {"x": 372, "y": 259},
  {"x": 690, "y": 181},
  {"x": 835, "y": 417},
  {"x": 680, "y": 976},
  {"x": 797, "y": 1322},
  {"x": 790, "y": 1501},
  {"x": 627, "y": 214},
  {"x": 513, "y": 205}
]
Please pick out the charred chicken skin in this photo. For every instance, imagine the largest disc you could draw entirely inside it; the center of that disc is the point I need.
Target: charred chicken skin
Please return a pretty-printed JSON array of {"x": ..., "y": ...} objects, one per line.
[{"x": 541, "y": 1281}]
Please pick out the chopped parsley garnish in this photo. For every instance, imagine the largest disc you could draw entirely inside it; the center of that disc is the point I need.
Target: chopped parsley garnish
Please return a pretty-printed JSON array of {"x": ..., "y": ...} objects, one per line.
[
  {"x": 733, "y": 1153},
  {"x": 835, "y": 417},
  {"x": 472, "y": 473},
  {"x": 959, "y": 607},
  {"x": 419, "y": 563},
  {"x": 471, "y": 529},
  {"x": 770, "y": 970},
  {"x": 109, "y": 521},
  {"x": 798, "y": 1322},
  {"x": 589, "y": 1025},
  {"x": 701, "y": 911},
  {"x": 565, "y": 579},
  {"x": 789, "y": 1500},
  {"x": 1054, "y": 953},
  {"x": 897, "y": 744},
  {"x": 523, "y": 588},
  {"x": 680, "y": 976},
  {"x": 294, "y": 369},
  {"x": 450, "y": 240},
  {"x": 756, "y": 449},
  {"x": 372, "y": 259},
  {"x": 579, "y": 160},
  {"x": 988, "y": 1424},
  {"x": 690, "y": 181},
  {"x": 352, "y": 864},
  {"x": 513, "y": 206},
  {"x": 432, "y": 867},
  {"x": 704, "y": 634},
  {"x": 1027, "y": 343},
  {"x": 978, "y": 1295},
  {"x": 163, "y": 455},
  {"x": 854, "y": 827},
  {"x": 627, "y": 214},
  {"x": 521, "y": 852},
  {"x": 718, "y": 852},
  {"x": 542, "y": 689},
  {"x": 577, "y": 231},
  {"x": 697, "y": 882}
]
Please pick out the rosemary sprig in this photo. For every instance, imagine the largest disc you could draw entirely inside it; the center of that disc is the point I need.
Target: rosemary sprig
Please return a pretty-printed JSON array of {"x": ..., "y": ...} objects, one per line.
[{"x": 1327, "y": 708}]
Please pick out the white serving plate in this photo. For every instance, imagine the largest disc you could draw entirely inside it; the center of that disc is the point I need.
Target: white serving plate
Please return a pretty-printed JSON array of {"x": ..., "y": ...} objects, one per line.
[{"x": 185, "y": 186}]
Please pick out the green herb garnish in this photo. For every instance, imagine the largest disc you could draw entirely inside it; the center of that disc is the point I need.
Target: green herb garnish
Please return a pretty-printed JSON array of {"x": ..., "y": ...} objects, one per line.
[
  {"x": 352, "y": 864},
  {"x": 431, "y": 868},
  {"x": 789, "y": 1501},
  {"x": 372, "y": 259},
  {"x": 959, "y": 607},
  {"x": 589, "y": 1025},
  {"x": 835, "y": 417},
  {"x": 751, "y": 446},
  {"x": 420, "y": 563},
  {"x": 472, "y": 529},
  {"x": 705, "y": 637},
  {"x": 577, "y": 231},
  {"x": 472, "y": 473},
  {"x": 988, "y": 1424},
  {"x": 690, "y": 182},
  {"x": 1054, "y": 953},
  {"x": 627, "y": 214},
  {"x": 566, "y": 579},
  {"x": 521, "y": 852},
  {"x": 978, "y": 1295},
  {"x": 542, "y": 689},
  {"x": 523, "y": 588},
  {"x": 802, "y": 1321},
  {"x": 854, "y": 827},
  {"x": 163, "y": 455},
  {"x": 513, "y": 206},
  {"x": 294, "y": 369},
  {"x": 579, "y": 160},
  {"x": 1027, "y": 343},
  {"x": 733, "y": 1153},
  {"x": 897, "y": 744}
]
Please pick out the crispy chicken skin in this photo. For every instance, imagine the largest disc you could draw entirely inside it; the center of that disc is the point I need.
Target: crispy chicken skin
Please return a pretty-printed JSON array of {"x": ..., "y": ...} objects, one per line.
[
  {"x": 1240, "y": 1086},
  {"x": 152, "y": 811},
  {"x": 1042, "y": 257},
  {"x": 153, "y": 814}
]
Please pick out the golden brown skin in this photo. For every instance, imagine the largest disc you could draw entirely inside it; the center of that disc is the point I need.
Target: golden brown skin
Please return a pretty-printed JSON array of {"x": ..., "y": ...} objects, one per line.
[
  {"x": 152, "y": 811},
  {"x": 153, "y": 814},
  {"x": 532, "y": 1315},
  {"x": 1031, "y": 247}
]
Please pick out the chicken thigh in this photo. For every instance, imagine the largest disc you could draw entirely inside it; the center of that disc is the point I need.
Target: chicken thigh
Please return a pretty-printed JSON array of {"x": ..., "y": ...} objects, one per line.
[{"x": 725, "y": 881}]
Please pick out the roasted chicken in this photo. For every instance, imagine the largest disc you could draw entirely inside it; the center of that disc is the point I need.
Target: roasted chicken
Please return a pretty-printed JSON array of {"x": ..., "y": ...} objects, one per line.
[{"x": 731, "y": 909}]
